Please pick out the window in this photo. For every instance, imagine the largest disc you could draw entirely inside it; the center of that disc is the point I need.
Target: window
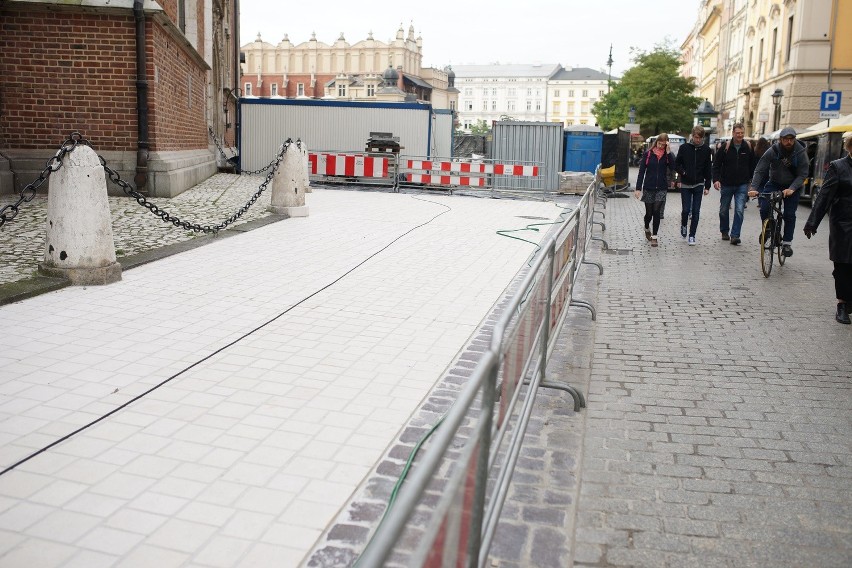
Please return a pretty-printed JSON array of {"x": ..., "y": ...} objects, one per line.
[
  {"x": 569, "y": 123},
  {"x": 760, "y": 60},
  {"x": 371, "y": 91},
  {"x": 789, "y": 39},
  {"x": 600, "y": 93},
  {"x": 493, "y": 105},
  {"x": 485, "y": 92},
  {"x": 493, "y": 92},
  {"x": 583, "y": 122},
  {"x": 585, "y": 93},
  {"x": 512, "y": 92},
  {"x": 584, "y": 108},
  {"x": 774, "y": 47},
  {"x": 570, "y": 93},
  {"x": 510, "y": 106},
  {"x": 556, "y": 93},
  {"x": 300, "y": 89},
  {"x": 538, "y": 105},
  {"x": 341, "y": 90},
  {"x": 537, "y": 93},
  {"x": 569, "y": 108},
  {"x": 247, "y": 90},
  {"x": 468, "y": 92},
  {"x": 529, "y": 105},
  {"x": 557, "y": 107},
  {"x": 468, "y": 105},
  {"x": 452, "y": 103},
  {"x": 529, "y": 92},
  {"x": 274, "y": 89},
  {"x": 750, "y": 57},
  {"x": 484, "y": 105}
]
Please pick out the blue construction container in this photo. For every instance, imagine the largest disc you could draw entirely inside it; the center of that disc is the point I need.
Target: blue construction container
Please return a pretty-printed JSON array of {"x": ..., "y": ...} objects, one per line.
[{"x": 582, "y": 150}]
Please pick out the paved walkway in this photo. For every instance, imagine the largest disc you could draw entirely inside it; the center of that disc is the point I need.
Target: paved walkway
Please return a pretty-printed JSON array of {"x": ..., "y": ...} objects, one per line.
[
  {"x": 719, "y": 416},
  {"x": 220, "y": 406}
]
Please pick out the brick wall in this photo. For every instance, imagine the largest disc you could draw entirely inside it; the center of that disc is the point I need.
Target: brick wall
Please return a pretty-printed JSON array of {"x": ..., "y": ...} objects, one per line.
[
  {"x": 66, "y": 71},
  {"x": 62, "y": 71},
  {"x": 177, "y": 104}
]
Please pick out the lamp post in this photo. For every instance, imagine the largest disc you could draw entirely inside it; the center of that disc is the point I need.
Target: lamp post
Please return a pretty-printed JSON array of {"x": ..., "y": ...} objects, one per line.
[{"x": 776, "y": 100}]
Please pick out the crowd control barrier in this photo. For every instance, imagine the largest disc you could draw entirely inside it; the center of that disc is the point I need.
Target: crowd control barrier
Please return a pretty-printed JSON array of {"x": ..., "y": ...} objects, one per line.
[
  {"x": 353, "y": 167},
  {"x": 456, "y": 174},
  {"x": 480, "y": 438}
]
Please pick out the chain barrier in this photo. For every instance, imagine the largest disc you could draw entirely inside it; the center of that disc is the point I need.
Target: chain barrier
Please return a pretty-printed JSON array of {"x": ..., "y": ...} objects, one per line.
[
  {"x": 226, "y": 158},
  {"x": 28, "y": 193},
  {"x": 177, "y": 222}
]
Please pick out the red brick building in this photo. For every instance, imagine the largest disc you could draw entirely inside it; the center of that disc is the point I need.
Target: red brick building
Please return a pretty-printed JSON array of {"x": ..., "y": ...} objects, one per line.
[{"x": 141, "y": 79}]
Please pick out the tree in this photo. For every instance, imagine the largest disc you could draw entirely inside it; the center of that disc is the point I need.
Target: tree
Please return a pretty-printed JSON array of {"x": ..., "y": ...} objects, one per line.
[
  {"x": 481, "y": 127},
  {"x": 662, "y": 97}
]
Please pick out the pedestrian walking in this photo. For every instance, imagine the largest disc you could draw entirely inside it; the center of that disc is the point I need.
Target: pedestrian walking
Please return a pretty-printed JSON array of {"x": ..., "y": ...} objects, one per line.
[
  {"x": 693, "y": 164},
  {"x": 733, "y": 167},
  {"x": 785, "y": 165},
  {"x": 835, "y": 196},
  {"x": 652, "y": 184}
]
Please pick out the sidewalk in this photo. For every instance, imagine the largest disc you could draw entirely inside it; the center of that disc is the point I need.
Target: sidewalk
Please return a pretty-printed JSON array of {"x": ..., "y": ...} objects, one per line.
[
  {"x": 220, "y": 406},
  {"x": 719, "y": 418}
]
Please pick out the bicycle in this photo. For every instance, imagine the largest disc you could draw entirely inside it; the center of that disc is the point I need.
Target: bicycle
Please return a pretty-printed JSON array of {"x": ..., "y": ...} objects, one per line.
[{"x": 770, "y": 234}]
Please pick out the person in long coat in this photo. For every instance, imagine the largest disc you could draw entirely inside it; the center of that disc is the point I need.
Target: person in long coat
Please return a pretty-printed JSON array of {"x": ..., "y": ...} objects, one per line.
[
  {"x": 835, "y": 196},
  {"x": 652, "y": 183}
]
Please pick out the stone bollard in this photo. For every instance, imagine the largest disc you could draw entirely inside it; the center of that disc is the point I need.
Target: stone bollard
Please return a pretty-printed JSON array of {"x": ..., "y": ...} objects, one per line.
[
  {"x": 288, "y": 193},
  {"x": 79, "y": 245},
  {"x": 307, "y": 168}
]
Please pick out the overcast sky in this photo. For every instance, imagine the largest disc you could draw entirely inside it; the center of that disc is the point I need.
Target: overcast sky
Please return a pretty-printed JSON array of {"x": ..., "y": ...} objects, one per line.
[{"x": 575, "y": 33}]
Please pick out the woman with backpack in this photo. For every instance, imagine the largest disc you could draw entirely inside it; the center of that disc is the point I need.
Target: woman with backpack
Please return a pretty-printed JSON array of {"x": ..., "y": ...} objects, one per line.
[{"x": 653, "y": 183}]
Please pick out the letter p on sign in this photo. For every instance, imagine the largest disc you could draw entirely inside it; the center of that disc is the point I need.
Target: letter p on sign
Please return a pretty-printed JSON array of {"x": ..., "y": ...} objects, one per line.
[{"x": 829, "y": 104}]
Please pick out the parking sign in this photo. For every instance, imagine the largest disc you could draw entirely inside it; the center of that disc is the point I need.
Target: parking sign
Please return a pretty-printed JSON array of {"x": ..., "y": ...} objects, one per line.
[{"x": 829, "y": 104}]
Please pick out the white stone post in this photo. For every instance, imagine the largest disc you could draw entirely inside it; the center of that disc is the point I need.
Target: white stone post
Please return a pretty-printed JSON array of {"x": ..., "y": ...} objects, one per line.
[
  {"x": 79, "y": 245},
  {"x": 288, "y": 194},
  {"x": 306, "y": 182}
]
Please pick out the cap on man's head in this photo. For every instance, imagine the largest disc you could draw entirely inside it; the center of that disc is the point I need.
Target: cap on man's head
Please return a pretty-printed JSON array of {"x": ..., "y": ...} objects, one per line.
[{"x": 785, "y": 132}]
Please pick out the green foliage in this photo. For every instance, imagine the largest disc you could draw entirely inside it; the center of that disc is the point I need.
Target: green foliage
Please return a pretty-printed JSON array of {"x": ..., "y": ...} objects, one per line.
[
  {"x": 481, "y": 127},
  {"x": 662, "y": 97}
]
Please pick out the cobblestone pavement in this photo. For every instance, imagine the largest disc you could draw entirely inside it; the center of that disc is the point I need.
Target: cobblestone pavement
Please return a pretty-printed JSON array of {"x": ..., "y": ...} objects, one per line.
[
  {"x": 135, "y": 229},
  {"x": 720, "y": 407}
]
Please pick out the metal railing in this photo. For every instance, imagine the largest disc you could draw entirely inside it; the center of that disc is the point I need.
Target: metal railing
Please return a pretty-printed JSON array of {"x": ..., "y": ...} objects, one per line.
[{"x": 480, "y": 438}]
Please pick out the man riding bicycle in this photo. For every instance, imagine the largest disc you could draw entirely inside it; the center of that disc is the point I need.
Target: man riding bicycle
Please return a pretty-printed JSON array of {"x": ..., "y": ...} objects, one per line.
[{"x": 786, "y": 164}]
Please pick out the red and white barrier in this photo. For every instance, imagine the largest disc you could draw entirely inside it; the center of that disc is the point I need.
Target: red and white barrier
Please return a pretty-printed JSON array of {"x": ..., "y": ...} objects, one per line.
[
  {"x": 474, "y": 168},
  {"x": 446, "y": 180},
  {"x": 348, "y": 165}
]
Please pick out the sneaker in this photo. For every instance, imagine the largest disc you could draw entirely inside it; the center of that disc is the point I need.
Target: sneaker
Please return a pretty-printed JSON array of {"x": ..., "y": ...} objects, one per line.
[
  {"x": 647, "y": 233},
  {"x": 842, "y": 315},
  {"x": 683, "y": 231},
  {"x": 735, "y": 240},
  {"x": 725, "y": 237},
  {"x": 691, "y": 241},
  {"x": 654, "y": 241},
  {"x": 787, "y": 250}
]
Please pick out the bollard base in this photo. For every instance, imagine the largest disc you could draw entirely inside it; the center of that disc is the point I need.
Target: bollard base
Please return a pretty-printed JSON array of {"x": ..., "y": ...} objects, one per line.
[
  {"x": 84, "y": 276},
  {"x": 291, "y": 211}
]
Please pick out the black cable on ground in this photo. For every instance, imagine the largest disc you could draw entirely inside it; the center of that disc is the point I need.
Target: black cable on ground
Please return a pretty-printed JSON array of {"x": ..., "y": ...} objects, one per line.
[{"x": 232, "y": 343}]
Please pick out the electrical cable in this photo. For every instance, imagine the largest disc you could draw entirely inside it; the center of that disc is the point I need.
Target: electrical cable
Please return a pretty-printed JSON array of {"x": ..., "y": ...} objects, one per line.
[{"x": 223, "y": 348}]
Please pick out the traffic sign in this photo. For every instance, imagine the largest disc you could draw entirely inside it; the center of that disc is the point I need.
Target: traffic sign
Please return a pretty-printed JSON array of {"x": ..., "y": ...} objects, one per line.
[{"x": 829, "y": 104}]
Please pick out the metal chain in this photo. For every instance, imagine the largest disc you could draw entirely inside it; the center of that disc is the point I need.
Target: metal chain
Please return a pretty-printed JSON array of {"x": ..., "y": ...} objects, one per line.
[
  {"x": 177, "y": 222},
  {"x": 216, "y": 142},
  {"x": 28, "y": 193},
  {"x": 225, "y": 156}
]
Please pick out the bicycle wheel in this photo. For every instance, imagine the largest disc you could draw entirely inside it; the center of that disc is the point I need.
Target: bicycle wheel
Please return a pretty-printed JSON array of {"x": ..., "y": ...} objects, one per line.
[
  {"x": 767, "y": 248},
  {"x": 779, "y": 232}
]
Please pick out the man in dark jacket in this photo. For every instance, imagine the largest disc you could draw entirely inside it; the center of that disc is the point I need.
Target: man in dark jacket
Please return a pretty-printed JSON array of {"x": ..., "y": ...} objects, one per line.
[
  {"x": 835, "y": 196},
  {"x": 733, "y": 166},
  {"x": 693, "y": 165},
  {"x": 786, "y": 165}
]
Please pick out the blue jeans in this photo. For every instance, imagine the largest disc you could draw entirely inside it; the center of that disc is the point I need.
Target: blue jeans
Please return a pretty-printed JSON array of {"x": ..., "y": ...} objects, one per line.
[
  {"x": 790, "y": 205},
  {"x": 691, "y": 200},
  {"x": 740, "y": 194}
]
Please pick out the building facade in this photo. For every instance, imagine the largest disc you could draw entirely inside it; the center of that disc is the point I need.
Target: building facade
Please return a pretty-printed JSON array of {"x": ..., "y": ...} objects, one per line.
[
  {"x": 495, "y": 92},
  {"x": 344, "y": 71},
  {"x": 572, "y": 92},
  {"x": 792, "y": 49},
  {"x": 141, "y": 80}
]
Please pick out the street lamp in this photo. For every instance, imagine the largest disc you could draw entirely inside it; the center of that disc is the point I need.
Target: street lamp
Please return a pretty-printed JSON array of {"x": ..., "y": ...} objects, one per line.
[{"x": 776, "y": 100}]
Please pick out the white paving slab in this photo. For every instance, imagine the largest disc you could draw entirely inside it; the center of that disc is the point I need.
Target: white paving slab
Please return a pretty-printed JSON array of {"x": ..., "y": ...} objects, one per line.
[{"x": 295, "y": 353}]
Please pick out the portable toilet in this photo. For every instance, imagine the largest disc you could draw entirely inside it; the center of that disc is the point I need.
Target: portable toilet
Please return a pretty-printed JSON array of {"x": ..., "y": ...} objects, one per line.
[{"x": 583, "y": 145}]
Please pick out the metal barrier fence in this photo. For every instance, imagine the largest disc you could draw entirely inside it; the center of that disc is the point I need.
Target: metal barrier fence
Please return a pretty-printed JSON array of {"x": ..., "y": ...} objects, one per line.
[
  {"x": 479, "y": 440},
  {"x": 363, "y": 168},
  {"x": 462, "y": 173}
]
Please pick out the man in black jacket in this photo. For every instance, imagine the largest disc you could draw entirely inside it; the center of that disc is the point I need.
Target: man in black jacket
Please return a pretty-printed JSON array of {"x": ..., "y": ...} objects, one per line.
[
  {"x": 733, "y": 167},
  {"x": 693, "y": 165}
]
